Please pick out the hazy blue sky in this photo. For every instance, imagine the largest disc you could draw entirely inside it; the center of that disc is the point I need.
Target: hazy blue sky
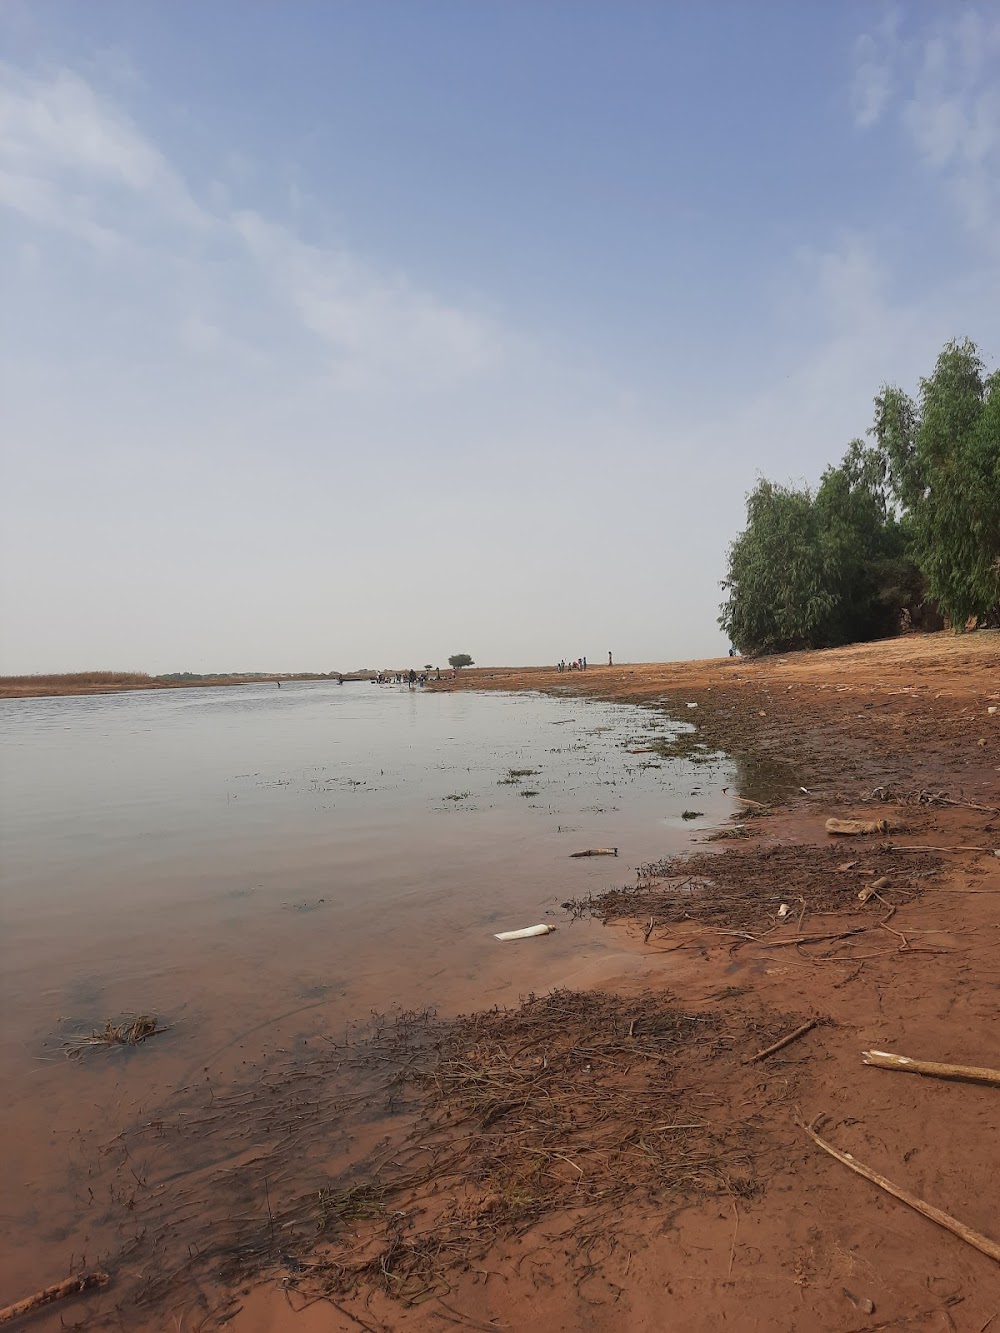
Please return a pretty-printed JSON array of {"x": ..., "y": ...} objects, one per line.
[{"x": 357, "y": 333}]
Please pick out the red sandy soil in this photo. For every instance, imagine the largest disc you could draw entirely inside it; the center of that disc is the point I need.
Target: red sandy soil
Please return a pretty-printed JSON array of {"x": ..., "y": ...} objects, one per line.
[{"x": 806, "y": 1243}]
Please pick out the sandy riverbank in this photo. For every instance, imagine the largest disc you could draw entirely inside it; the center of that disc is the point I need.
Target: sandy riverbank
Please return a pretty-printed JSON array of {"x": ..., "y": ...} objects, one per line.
[
  {"x": 901, "y": 731},
  {"x": 610, "y": 1158}
]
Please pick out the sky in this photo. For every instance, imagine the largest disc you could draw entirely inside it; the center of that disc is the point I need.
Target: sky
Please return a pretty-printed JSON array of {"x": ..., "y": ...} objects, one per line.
[{"x": 339, "y": 335}]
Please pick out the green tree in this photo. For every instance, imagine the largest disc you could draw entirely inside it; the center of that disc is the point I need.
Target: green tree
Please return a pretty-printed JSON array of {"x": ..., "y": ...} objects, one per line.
[
  {"x": 816, "y": 570},
  {"x": 459, "y": 660},
  {"x": 940, "y": 458},
  {"x": 864, "y": 551},
  {"x": 778, "y": 597}
]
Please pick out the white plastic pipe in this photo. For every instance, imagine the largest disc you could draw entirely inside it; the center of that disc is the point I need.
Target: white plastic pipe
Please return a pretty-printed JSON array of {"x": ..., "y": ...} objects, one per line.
[{"x": 525, "y": 934}]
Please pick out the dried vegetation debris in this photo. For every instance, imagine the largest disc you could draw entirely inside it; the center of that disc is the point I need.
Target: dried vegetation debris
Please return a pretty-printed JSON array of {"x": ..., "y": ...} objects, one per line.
[
  {"x": 561, "y": 1110},
  {"x": 131, "y": 1030},
  {"x": 735, "y": 890}
]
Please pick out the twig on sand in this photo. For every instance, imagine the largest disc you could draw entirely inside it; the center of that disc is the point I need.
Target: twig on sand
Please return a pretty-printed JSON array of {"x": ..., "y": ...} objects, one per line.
[
  {"x": 906, "y": 847},
  {"x": 464, "y": 1318},
  {"x": 973, "y": 1238},
  {"x": 732, "y": 1248},
  {"x": 70, "y": 1286},
  {"x": 785, "y": 1041},
  {"x": 903, "y": 1063},
  {"x": 814, "y": 939}
]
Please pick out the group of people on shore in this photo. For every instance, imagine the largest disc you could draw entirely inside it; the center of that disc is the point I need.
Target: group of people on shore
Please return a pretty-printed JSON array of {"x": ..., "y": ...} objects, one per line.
[
  {"x": 578, "y": 664},
  {"x": 409, "y": 678}
]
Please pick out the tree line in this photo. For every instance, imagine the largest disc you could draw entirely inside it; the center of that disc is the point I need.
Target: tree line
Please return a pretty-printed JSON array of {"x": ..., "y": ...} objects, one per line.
[{"x": 904, "y": 531}]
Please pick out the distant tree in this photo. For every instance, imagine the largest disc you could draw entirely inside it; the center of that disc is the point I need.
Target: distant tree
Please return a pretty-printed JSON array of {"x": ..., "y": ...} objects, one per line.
[
  {"x": 941, "y": 460},
  {"x": 428, "y": 667},
  {"x": 459, "y": 660}
]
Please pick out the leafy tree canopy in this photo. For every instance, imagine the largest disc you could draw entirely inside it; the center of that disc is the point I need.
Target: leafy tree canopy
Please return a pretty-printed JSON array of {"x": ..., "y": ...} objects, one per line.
[
  {"x": 460, "y": 660},
  {"x": 914, "y": 514},
  {"x": 940, "y": 458}
]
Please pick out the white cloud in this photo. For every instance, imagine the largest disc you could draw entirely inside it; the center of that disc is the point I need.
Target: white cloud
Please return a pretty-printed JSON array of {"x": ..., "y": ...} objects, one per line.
[
  {"x": 942, "y": 83},
  {"x": 57, "y": 129},
  {"x": 872, "y": 84},
  {"x": 375, "y": 326},
  {"x": 72, "y": 161},
  {"x": 58, "y": 209}
]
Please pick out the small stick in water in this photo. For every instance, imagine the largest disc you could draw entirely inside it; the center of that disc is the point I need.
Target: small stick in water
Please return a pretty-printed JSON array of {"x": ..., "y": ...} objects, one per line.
[
  {"x": 69, "y": 1286},
  {"x": 597, "y": 851}
]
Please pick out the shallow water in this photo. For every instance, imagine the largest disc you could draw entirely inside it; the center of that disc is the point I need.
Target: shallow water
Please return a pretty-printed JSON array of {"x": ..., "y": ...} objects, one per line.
[{"x": 259, "y": 865}]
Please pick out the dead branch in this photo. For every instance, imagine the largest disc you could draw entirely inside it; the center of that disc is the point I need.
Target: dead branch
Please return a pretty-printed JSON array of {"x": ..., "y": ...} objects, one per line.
[
  {"x": 933, "y": 1069},
  {"x": 900, "y": 847},
  {"x": 785, "y": 1041},
  {"x": 973, "y": 1238},
  {"x": 69, "y": 1286},
  {"x": 814, "y": 939}
]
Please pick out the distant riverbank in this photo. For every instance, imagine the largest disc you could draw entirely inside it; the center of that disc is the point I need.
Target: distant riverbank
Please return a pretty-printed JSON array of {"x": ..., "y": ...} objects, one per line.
[{"x": 116, "y": 682}]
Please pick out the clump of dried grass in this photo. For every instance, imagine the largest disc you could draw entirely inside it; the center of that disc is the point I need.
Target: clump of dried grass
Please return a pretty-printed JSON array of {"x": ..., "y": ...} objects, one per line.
[{"x": 128, "y": 1031}]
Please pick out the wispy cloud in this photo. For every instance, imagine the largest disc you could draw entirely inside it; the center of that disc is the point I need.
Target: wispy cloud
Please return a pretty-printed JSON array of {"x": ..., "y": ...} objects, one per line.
[
  {"x": 942, "y": 86},
  {"x": 871, "y": 87},
  {"x": 375, "y": 326},
  {"x": 57, "y": 132},
  {"x": 73, "y": 161}
]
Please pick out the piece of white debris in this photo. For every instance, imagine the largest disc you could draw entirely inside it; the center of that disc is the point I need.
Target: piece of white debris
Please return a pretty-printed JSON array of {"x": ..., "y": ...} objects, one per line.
[{"x": 525, "y": 934}]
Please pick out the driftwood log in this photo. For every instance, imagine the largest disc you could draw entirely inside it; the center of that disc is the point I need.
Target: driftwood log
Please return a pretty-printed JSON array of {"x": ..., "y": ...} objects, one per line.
[
  {"x": 856, "y": 827},
  {"x": 933, "y": 1069},
  {"x": 70, "y": 1286}
]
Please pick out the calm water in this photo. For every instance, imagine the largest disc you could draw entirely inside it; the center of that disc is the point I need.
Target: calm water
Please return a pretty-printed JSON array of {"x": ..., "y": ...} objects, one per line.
[{"x": 257, "y": 865}]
